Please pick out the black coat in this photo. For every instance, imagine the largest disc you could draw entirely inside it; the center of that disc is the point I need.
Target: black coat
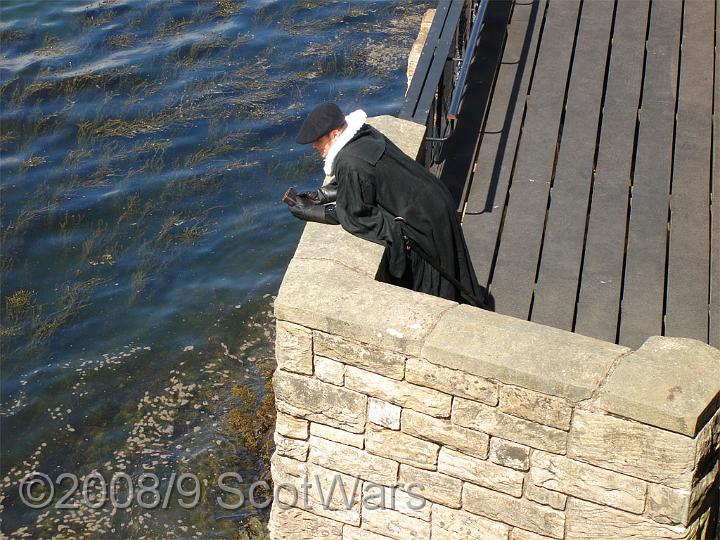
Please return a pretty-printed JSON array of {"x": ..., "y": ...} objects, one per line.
[{"x": 378, "y": 182}]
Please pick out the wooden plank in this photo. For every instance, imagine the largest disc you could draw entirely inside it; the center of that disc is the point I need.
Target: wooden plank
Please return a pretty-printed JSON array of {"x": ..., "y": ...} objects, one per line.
[
  {"x": 514, "y": 274},
  {"x": 439, "y": 62},
  {"x": 459, "y": 152},
  {"x": 689, "y": 250},
  {"x": 644, "y": 279},
  {"x": 601, "y": 279},
  {"x": 558, "y": 277},
  {"x": 496, "y": 155},
  {"x": 427, "y": 56},
  {"x": 714, "y": 333}
]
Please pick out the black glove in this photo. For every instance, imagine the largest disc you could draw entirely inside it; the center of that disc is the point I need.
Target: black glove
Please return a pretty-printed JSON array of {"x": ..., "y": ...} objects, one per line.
[
  {"x": 319, "y": 213},
  {"x": 325, "y": 194}
]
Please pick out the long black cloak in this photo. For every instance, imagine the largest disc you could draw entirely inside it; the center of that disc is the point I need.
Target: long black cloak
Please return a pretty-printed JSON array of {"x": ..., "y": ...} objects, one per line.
[{"x": 378, "y": 182}]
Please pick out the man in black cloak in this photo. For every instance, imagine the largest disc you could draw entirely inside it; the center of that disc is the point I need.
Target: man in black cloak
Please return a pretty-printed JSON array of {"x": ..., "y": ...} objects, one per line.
[{"x": 380, "y": 194}]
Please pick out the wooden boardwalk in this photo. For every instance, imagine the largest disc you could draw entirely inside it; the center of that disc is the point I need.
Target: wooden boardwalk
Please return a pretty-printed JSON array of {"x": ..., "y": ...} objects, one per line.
[{"x": 590, "y": 208}]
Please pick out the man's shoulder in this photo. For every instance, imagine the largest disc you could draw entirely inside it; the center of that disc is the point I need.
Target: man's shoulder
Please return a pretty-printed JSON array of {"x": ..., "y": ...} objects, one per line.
[{"x": 367, "y": 146}]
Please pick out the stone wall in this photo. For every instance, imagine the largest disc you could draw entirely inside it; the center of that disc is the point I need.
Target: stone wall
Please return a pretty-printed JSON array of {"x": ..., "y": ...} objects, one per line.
[{"x": 503, "y": 428}]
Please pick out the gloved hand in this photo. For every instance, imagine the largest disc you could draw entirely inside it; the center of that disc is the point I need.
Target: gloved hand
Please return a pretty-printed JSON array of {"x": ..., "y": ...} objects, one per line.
[
  {"x": 319, "y": 213},
  {"x": 325, "y": 194}
]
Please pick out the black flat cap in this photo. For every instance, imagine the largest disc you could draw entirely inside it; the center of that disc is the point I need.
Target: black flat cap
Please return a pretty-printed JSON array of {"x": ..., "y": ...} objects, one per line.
[{"x": 321, "y": 121}]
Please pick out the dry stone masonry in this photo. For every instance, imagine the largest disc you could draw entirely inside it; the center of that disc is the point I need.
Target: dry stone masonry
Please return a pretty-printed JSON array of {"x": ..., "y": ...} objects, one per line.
[{"x": 404, "y": 416}]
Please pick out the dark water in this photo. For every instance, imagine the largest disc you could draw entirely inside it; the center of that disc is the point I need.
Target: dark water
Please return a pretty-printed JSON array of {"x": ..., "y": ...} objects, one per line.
[{"x": 144, "y": 148}]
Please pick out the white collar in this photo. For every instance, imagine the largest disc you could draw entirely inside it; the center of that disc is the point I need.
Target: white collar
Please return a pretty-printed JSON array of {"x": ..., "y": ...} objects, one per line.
[{"x": 355, "y": 121}]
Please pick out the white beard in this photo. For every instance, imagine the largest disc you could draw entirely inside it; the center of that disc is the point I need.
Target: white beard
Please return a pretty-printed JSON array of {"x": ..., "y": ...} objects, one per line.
[{"x": 355, "y": 121}]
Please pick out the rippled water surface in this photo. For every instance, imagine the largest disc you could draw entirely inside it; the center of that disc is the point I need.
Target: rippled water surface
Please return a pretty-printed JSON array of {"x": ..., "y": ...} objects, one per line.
[{"x": 144, "y": 146}]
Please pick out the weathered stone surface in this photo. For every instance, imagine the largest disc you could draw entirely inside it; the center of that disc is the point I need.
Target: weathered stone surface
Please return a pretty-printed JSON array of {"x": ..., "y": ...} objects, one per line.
[
  {"x": 293, "y": 348},
  {"x": 481, "y": 472},
  {"x": 329, "y": 370},
  {"x": 544, "y": 496},
  {"x": 334, "y": 495},
  {"x": 300, "y": 525},
  {"x": 541, "y": 408},
  {"x": 667, "y": 383},
  {"x": 668, "y": 505},
  {"x": 343, "y": 308},
  {"x": 509, "y": 454},
  {"x": 451, "y": 381},
  {"x": 395, "y": 498},
  {"x": 490, "y": 420},
  {"x": 355, "y": 533},
  {"x": 394, "y": 524},
  {"x": 401, "y": 447},
  {"x": 292, "y": 448},
  {"x": 433, "y": 486},
  {"x": 383, "y": 413},
  {"x": 314, "y": 400},
  {"x": 352, "y": 461},
  {"x": 407, "y": 135},
  {"x": 400, "y": 393},
  {"x": 362, "y": 355},
  {"x": 333, "y": 244},
  {"x": 449, "y": 524},
  {"x": 587, "y": 520},
  {"x": 444, "y": 432},
  {"x": 632, "y": 448},
  {"x": 287, "y": 470},
  {"x": 519, "y": 534},
  {"x": 337, "y": 435},
  {"x": 516, "y": 512},
  {"x": 520, "y": 353},
  {"x": 289, "y": 426},
  {"x": 559, "y": 473}
]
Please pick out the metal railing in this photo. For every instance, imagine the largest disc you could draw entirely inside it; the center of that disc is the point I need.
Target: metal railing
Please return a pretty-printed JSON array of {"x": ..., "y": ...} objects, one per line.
[{"x": 435, "y": 93}]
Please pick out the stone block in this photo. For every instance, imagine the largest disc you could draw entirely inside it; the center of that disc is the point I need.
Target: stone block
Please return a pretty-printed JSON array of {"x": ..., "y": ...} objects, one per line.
[
  {"x": 544, "y": 496},
  {"x": 337, "y": 435},
  {"x": 632, "y": 448},
  {"x": 301, "y": 525},
  {"x": 329, "y": 371},
  {"x": 357, "y": 306},
  {"x": 559, "y": 473},
  {"x": 383, "y": 413},
  {"x": 480, "y": 472},
  {"x": 394, "y": 498},
  {"x": 451, "y": 381},
  {"x": 322, "y": 243},
  {"x": 433, "y": 486},
  {"x": 355, "y": 533},
  {"x": 490, "y": 420},
  {"x": 407, "y": 135},
  {"x": 395, "y": 524},
  {"x": 287, "y": 470},
  {"x": 668, "y": 505},
  {"x": 449, "y": 524},
  {"x": 362, "y": 355},
  {"x": 293, "y": 348},
  {"x": 670, "y": 383},
  {"x": 311, "y": 399},
  {"x": 400, "y": 393},
  {"x": 289, "y": 426},
  {"x": 516, "y": 512},
  {"x": 333, "y": 494},
  {"x": 352, "y": 461},
  {"x": 520, "y": 534},
  {"x": 292, "y": 448},
  {"x": 401, "y": 447},
  {"x": 445, "y": 432},
  {"x": 587, "y": 520},
  {"x": 509, "y": 454},
  {"x": 536, "y": 407},
  {"x": 520, "y": 353}
]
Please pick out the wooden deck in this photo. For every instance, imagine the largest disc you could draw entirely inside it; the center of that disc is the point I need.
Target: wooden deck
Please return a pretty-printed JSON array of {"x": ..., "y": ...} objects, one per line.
[{"x": 590, "y": 207}]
